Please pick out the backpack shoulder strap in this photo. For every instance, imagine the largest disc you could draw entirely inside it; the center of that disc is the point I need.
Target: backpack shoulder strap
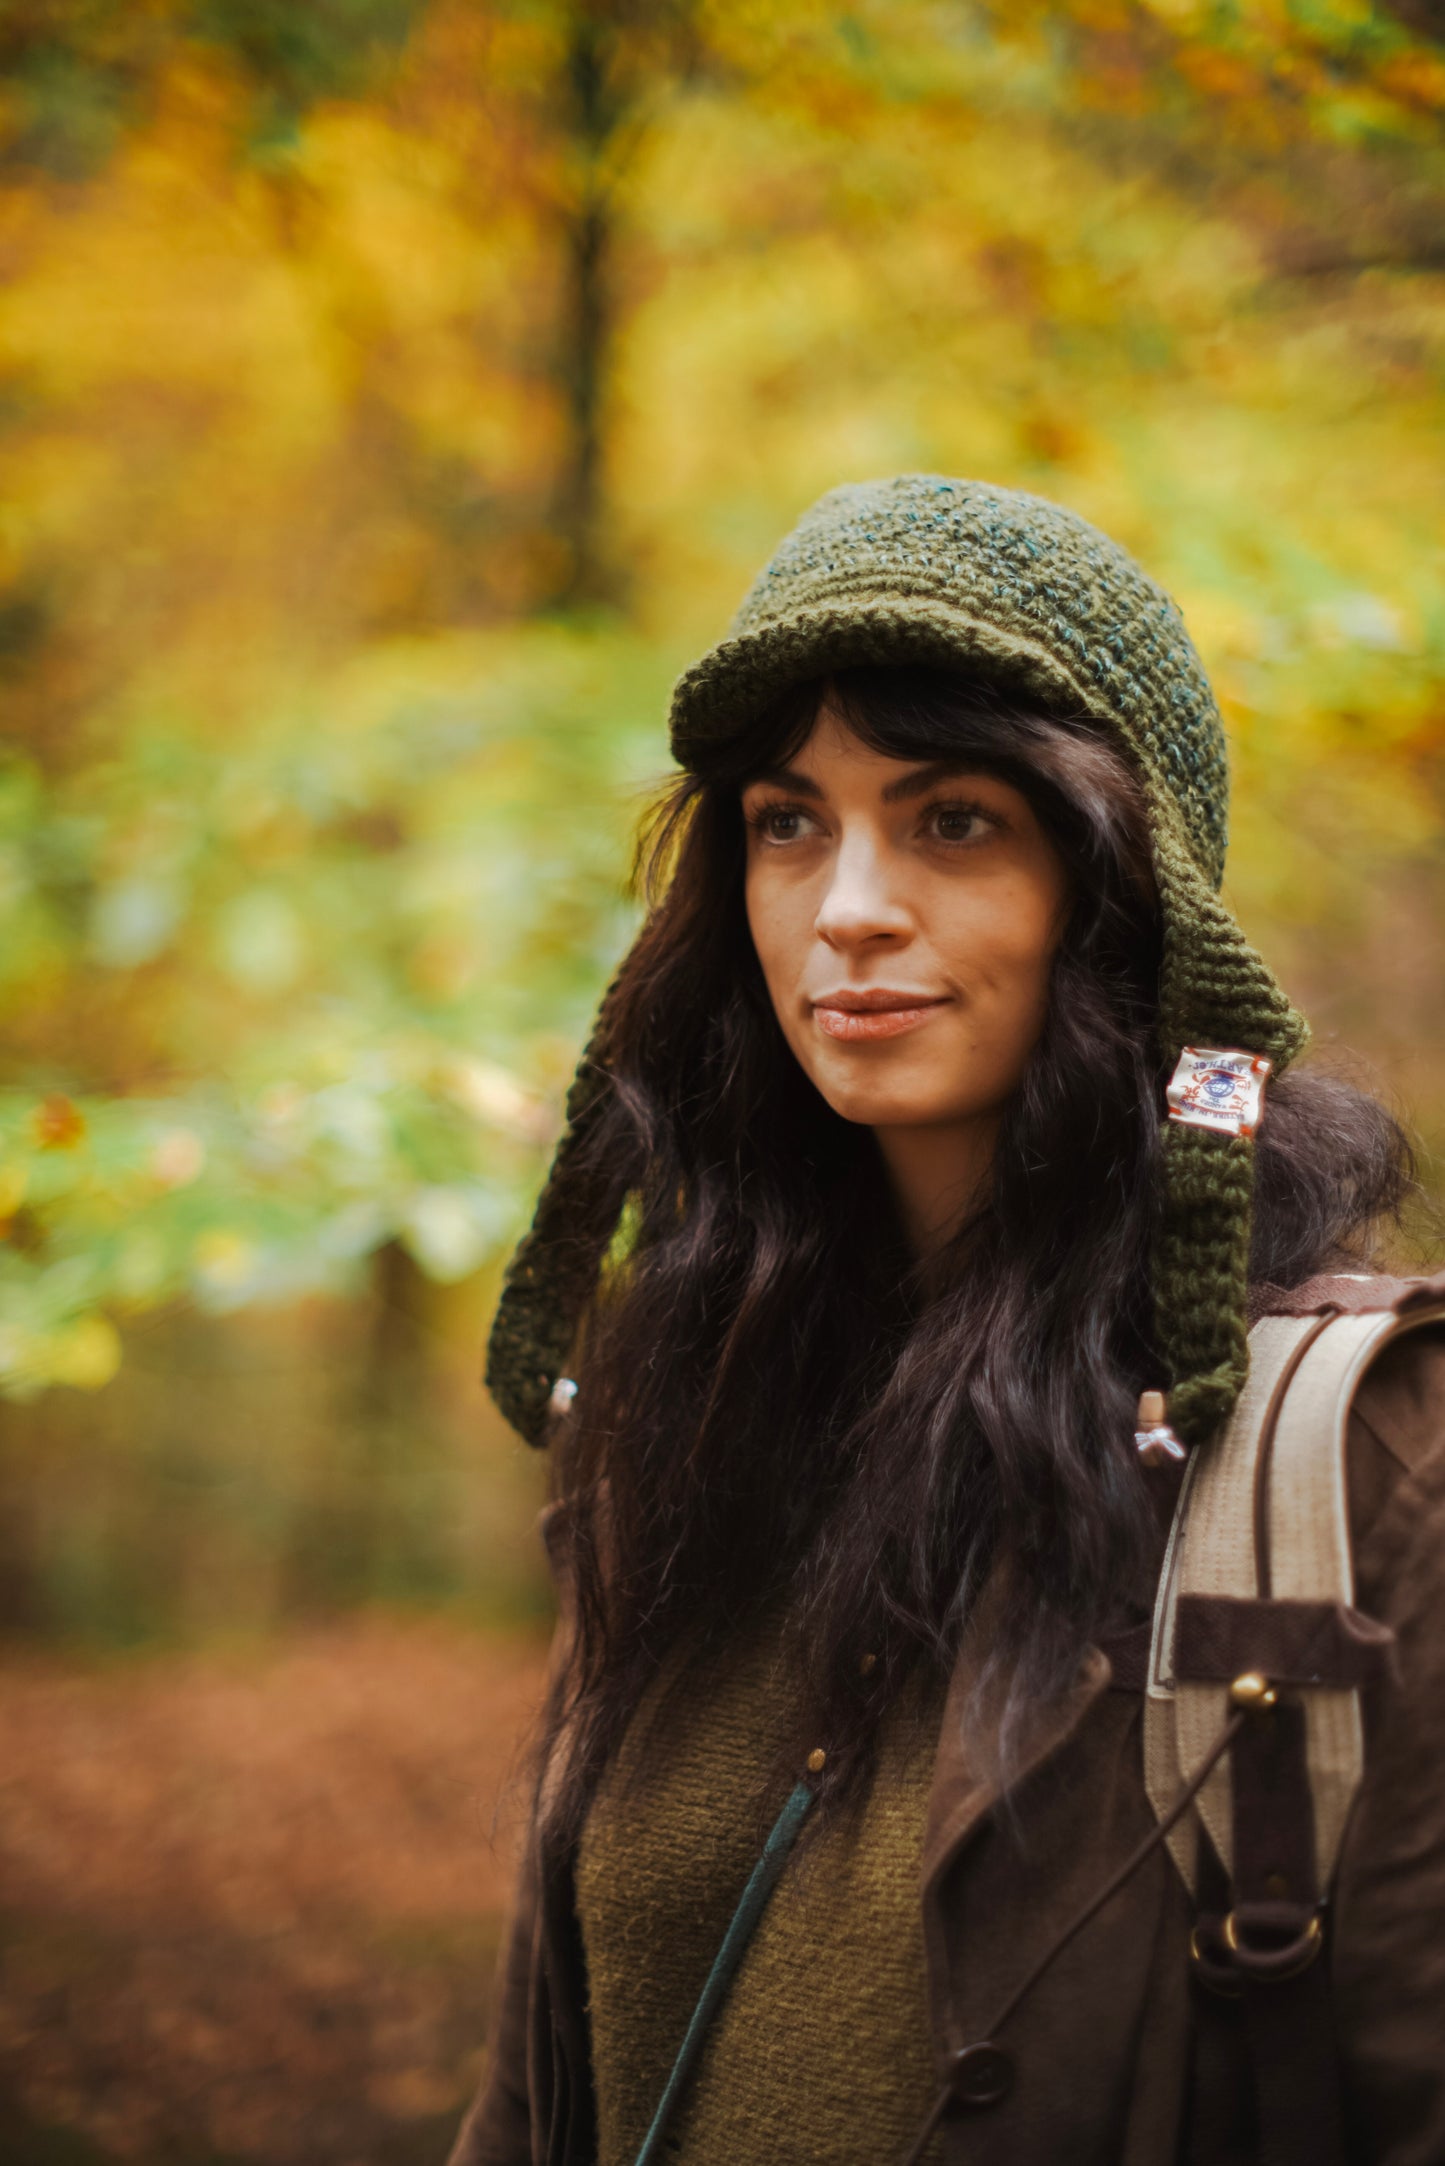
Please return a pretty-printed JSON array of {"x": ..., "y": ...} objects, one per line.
[{"x": 1258, "y": 1575}]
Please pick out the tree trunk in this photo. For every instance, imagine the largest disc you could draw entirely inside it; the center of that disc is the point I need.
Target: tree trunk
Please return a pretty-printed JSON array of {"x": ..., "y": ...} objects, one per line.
[{"x": 594, "y": 111}]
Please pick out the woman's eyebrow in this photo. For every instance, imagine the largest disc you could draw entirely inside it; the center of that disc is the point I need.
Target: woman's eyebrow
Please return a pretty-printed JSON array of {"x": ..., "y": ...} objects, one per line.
[
  {"x": 919, "y": 779},
  {"x": 785, "y": 778}
]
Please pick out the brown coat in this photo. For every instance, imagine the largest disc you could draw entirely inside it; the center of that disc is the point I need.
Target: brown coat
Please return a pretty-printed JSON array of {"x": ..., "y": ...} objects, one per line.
[{"x": 1105, "y": 2044}]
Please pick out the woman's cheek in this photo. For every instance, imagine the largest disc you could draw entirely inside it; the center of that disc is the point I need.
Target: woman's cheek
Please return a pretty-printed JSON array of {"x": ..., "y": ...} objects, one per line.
[{"x": 780, "y": 918}]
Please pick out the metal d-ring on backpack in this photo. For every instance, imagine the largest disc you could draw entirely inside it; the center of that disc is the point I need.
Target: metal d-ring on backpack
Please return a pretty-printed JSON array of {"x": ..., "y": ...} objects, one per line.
[{"x": 1255, "y": 1610}]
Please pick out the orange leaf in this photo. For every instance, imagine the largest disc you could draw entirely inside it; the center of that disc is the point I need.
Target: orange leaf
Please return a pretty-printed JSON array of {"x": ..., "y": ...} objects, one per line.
[{"x": 59, "y": 1125}]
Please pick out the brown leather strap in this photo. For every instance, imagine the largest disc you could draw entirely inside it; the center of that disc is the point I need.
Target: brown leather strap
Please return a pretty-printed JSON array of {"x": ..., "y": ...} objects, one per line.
[
  {"x": 1290, "y": 2028},
  {"x": 1218, "y": 1637},
  {"x": 1222, "y": 2120},
  {"x": 1275, "y": 1895},
  {"x": 1274, "y": 1933},
  {"x": 1128, "y": 1652}
]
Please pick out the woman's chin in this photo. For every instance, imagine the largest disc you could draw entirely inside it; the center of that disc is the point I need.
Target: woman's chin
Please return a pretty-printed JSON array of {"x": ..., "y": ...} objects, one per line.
[{"x": 887, "y": 1109}]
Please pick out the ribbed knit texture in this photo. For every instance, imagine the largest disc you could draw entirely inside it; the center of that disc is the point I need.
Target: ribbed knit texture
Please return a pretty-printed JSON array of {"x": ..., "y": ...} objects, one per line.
[
  {"x": 820, "y": 2055},
  {"x": 962, "y": 575},
  {"x": 554, "y": 1270}
]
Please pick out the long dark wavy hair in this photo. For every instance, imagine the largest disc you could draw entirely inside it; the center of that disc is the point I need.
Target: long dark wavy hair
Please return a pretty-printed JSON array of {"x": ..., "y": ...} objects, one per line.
[{"x": 781, "y": 1413}]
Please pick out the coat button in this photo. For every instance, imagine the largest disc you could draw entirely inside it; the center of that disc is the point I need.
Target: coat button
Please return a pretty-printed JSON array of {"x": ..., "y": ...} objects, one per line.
[{"x": 982, "y": 2075}]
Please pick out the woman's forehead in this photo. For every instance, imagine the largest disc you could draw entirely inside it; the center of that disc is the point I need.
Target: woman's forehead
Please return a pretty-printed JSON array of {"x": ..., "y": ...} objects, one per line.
[{"x": 833, "y": 748}]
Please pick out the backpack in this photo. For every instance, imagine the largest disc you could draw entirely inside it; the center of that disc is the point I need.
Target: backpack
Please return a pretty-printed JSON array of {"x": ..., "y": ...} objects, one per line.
[{"x": 1254, "y": 1620}]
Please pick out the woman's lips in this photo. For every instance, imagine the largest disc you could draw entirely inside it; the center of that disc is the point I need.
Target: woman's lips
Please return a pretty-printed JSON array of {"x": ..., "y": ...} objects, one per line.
[{"x": 859, "y": 1018}]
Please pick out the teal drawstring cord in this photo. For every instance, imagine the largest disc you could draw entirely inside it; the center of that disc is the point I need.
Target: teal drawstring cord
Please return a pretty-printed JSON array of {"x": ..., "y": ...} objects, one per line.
[{"x": 750, "y": 1908}]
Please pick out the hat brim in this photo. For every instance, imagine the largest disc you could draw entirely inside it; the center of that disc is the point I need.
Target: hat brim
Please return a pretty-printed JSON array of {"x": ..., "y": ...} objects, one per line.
[
  {"x": 735, "y": 680},
  {"x": 1216, "y": 988}
]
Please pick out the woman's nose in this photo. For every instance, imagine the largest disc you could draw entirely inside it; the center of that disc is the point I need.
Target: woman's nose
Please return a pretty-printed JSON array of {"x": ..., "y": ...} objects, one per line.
[{"x": 862, "y": 902}]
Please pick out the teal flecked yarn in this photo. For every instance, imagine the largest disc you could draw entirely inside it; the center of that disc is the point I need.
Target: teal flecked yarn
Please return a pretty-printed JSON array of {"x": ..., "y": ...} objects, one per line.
[{"x": 924, "y": 568}]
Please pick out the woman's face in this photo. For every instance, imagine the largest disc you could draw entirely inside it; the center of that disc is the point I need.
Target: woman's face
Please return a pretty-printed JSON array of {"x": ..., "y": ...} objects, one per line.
[{"x": 905, "y": 916}]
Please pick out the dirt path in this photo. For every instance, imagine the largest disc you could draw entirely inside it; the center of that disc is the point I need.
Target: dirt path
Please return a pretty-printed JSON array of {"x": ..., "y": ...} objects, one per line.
[{"x": 250, "y": 1904}]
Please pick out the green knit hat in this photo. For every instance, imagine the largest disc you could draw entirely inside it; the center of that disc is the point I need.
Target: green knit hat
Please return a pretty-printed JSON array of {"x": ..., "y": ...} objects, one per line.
[{"x": 923, "y": 569}]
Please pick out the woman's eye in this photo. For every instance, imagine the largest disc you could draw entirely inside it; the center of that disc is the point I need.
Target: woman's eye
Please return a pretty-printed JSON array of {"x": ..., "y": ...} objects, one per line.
[
  {"x": 958, "y": 823},
  {"x": 779, "y": 823}
]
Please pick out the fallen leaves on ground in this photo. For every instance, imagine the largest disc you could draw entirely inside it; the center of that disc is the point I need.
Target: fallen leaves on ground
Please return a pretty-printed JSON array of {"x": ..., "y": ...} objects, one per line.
[{"x": 251, "y": 1903}]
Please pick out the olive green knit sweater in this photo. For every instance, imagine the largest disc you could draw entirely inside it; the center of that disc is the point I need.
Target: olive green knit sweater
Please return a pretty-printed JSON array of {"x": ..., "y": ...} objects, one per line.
[{"x": 821, "y": 2053}]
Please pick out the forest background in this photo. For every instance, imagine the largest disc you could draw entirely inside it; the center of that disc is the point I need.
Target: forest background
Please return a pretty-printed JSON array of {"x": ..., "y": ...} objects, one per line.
[{"x": 395, "y": 394}]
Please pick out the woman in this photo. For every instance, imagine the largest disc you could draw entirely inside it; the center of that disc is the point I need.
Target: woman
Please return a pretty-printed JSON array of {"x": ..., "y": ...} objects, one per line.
[{"x": 866, "y": 1237}]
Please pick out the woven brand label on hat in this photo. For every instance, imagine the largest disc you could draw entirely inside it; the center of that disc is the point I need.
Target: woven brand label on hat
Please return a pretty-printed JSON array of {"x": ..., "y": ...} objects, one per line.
[{"x": 1222, "y": 1091}]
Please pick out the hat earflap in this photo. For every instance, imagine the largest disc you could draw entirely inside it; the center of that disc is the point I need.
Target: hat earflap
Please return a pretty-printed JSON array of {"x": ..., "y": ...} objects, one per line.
[
  {"x": 1201, "y": 1275},
  {"x": 1216, "y": 992},
  {"x": 554, "y": 1271}
]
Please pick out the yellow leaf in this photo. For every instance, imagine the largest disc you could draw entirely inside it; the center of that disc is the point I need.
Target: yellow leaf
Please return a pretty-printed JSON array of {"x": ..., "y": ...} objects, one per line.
[{"x": 85, "y": 1354}]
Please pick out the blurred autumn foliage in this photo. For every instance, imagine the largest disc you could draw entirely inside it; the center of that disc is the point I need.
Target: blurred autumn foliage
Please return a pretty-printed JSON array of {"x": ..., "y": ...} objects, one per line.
[{"x": 394, "y": 394}]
